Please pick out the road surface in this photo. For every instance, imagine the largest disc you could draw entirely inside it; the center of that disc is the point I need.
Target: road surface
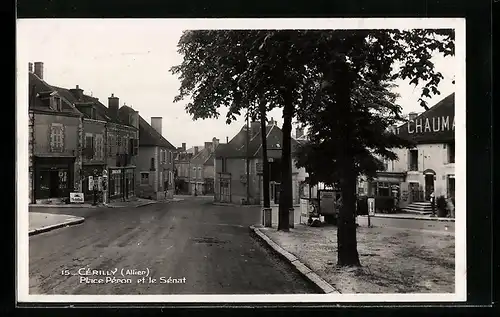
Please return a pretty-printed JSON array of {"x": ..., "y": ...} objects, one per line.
[{"x": 200, "y": 248}]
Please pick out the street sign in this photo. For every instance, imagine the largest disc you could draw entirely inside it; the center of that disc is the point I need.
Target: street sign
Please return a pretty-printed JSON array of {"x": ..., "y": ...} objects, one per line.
[
  {"x": 76, "y": 198},
  {"x": 91, "y": 183},
  {"x": 371, "y": 206}
]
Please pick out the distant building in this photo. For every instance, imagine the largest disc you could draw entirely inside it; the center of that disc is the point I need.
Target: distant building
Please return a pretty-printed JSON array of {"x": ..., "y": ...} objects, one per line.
[
  {"x": 182, "y": 165},
  {"x": 230, "y": 166},
  {"x": 155, "y": 167},
  {"x": 428, "y": 167},
  {"x": 202, "y": 170}
]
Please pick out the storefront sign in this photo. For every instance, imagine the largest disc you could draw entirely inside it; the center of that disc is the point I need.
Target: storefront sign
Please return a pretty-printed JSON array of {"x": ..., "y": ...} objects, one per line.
[
  {"x": 91, "y": 183},
  {"x": 76, "y": 198},
  {"x": 433, "y": 124},
  {"x": 371, "y": 206},
  {"x": 116, "y": 171}
]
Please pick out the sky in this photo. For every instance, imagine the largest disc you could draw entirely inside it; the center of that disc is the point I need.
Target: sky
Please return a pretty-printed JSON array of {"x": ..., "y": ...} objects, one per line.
[{"x": 131, "y": 59}]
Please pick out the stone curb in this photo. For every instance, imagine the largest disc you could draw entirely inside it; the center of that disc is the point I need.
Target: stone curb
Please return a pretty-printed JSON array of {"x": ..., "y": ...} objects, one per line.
[
  {"x": 411, "y": 218},
  {"x": 62, "y": 206},
  {"x": 56, "y": 226},
  {"x": 299, "y": 266},
  {"x": 234, "y": 205}
]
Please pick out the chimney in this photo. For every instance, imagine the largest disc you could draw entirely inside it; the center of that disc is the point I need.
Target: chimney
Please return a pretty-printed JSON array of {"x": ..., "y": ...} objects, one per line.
[
  {"x": 299, "y": 132},
  {"x": 254, "y": 128},
  {"x": 227, "y": 139},
  {"x": 39, "y": 69},
  {"x": 30, "y": 67},
  {"x": 272, "y": 122},
  {"x": 215, "y": 142},
  {"x": 412, "y": 116},
  {"x": 77, "y": 92},
  {"x": 208, "y": 146},
  {"x": 195, "y": 150},
  {"x": 134, "y": 119},
  {"x": 156, "y": 124},
  {"x": 113, "y": 104},
  {"x": 183, "y": 146}
]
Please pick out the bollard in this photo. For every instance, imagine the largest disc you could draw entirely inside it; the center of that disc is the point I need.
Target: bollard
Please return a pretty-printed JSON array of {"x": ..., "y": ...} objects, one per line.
[
  {"x": 291, "y": 217},
  {"x": 267, "y": 217}
]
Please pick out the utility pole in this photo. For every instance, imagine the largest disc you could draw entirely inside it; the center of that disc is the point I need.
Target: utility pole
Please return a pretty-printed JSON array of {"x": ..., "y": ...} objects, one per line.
[{"x": 248, "y": 157}]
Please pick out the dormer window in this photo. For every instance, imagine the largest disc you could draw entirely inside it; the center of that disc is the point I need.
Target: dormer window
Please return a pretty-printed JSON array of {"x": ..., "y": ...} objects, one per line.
[{"x": 56, "y": 103}]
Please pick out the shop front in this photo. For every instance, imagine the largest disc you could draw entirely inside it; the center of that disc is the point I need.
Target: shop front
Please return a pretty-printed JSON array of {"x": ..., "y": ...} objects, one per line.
[
  {"x": 121, "y": 183},
  {"x": 53, "y": 177}
]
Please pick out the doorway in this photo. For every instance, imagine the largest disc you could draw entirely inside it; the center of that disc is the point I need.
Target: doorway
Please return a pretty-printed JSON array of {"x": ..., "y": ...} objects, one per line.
[
  {"x": 429, "y": 185},
  {"x": 54, "y": 184}
]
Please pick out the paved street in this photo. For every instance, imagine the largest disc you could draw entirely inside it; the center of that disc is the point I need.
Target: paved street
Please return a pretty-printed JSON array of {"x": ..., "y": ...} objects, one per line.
[{"x": 187, "y": 247}]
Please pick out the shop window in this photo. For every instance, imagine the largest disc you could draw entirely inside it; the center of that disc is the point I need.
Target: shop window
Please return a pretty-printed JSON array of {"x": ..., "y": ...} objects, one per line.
[
  {"x": 413, "y": 160},
  {"x": 451, "y": 153},
  {"x": 383, "y": 189}
]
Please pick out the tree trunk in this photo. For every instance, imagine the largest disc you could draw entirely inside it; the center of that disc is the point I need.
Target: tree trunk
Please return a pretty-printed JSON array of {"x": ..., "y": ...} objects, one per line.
[
  {"x": 286, "y": 197},
  {"x": 346, "y": 233},
  {"x": 265, "y": 163}
]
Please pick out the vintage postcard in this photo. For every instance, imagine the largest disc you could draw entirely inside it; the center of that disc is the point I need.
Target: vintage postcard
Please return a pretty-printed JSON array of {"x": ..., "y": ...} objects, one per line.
[{"x": 241, "y": 160}]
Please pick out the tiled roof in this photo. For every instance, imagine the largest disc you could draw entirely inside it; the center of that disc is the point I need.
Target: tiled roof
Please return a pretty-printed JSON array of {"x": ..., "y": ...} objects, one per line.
[
  {"x": 444, "y": 108},
  {"x": 205, "y": 156},
  {"x": 237, "y": 146},
  {"x": 37, "y": 87}
]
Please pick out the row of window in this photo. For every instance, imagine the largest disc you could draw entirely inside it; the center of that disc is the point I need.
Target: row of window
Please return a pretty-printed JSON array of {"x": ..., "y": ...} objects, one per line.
[
  {"x": 165, "y": 177},
  {"x": 413, "y": 157},
  {"x": 166, "y": 157}
]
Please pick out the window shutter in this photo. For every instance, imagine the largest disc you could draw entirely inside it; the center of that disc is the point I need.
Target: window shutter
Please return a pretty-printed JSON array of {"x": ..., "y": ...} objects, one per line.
[{"x": 152, "y": 164}]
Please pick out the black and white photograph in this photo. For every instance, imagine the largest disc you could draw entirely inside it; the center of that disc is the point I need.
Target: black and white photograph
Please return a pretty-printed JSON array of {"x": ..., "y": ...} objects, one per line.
[{"x": 241, "y": 160}]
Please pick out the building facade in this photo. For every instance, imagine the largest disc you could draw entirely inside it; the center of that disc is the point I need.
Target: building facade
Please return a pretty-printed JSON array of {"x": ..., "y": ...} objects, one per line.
[
  {"x": 101, "y": 141},
  {"x": 231, "y": 181},
  {"x": 55, "y": 128},
  {"x": 182, "y": 170},
  {"x": 155, "y": 172},
  {"x": 426, "y": 168},
  {"x": 202, "y": 169}
]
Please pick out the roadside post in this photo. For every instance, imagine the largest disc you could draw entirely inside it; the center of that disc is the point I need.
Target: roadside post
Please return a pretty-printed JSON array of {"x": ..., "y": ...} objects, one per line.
[
  {"x": 104, "y": 187},
  {"x": 371, "y": 209}
]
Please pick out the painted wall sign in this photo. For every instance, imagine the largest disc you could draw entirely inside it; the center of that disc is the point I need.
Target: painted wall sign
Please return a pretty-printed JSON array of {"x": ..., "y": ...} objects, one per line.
[
  {"x": 436, "y": 125},
  {"x": 76, "y": 198},
  {"x": 430, "y": 125}
]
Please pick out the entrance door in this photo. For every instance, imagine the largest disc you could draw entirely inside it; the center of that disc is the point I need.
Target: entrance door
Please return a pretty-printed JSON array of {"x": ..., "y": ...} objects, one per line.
[
  {"x": 54, "y": 184},
  {"x": 429, "y": 185}
]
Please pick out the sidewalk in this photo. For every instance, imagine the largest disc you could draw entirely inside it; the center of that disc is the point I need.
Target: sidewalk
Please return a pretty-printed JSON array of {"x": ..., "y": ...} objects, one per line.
[
  {"x": 140, "y": 202},
  {"x": 43, "y": 222},
  {"x": 411, "y": 216},
  {"x": 393, "y": 260}
]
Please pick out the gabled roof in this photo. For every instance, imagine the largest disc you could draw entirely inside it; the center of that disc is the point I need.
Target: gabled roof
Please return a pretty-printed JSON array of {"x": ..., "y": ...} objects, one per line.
[
  {"x": 38, "y": 89},
  {"x": 434, "y": 132},
  {"x": 237, "y": 146},
  {"x": 205, "y": 157},
  {"x": 148, "y": 136}
]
